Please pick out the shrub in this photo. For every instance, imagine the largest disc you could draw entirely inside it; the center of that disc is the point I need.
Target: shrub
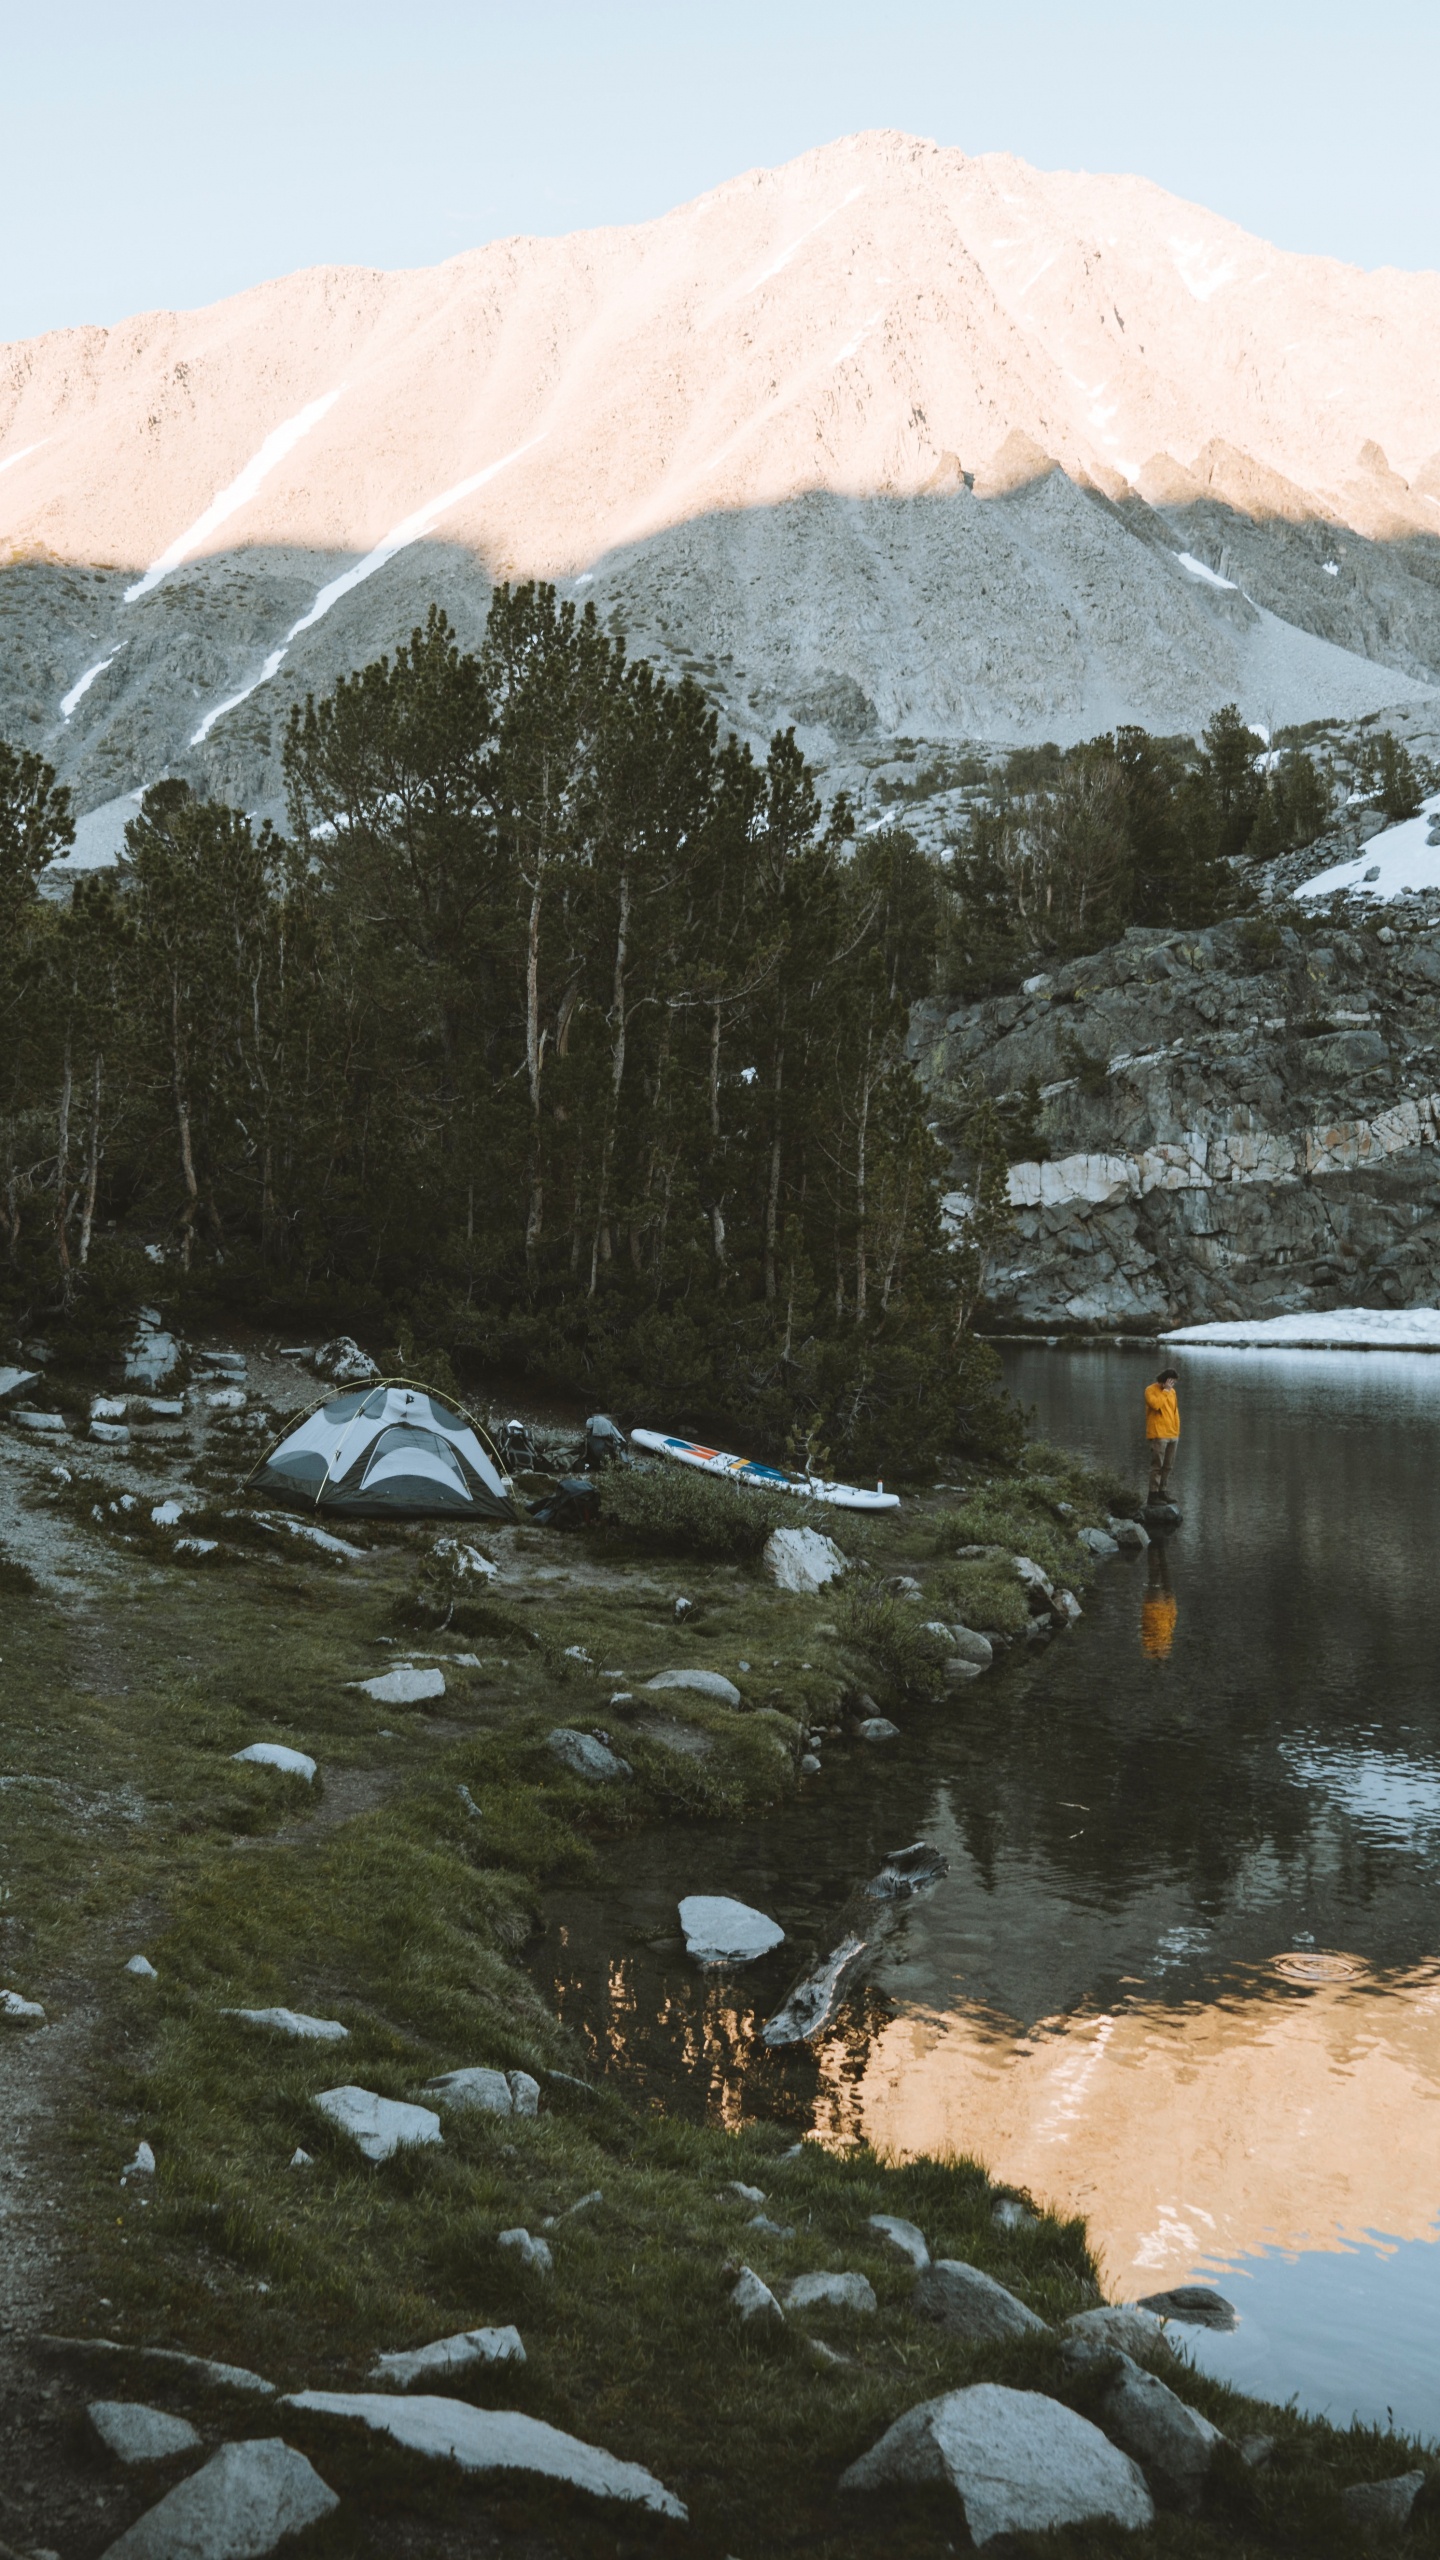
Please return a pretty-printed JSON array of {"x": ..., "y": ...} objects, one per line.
[
  {"x": 983, "y": 1592},
  {"x": 675, "y": 1510},
  {"x": 893, "y": 1636}
]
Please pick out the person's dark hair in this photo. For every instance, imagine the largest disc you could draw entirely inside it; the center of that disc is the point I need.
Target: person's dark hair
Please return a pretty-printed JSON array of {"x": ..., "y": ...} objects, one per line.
[{"x": 1162, "y": 1374}]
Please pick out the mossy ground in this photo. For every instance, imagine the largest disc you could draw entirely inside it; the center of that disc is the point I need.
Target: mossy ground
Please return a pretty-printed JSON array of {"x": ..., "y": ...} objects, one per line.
[{"x": 384, "y": 1898}]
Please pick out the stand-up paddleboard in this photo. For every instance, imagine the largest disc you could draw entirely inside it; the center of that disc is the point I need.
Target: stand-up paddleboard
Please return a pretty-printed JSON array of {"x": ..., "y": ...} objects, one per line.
[{"x": 720, "y": 1462}]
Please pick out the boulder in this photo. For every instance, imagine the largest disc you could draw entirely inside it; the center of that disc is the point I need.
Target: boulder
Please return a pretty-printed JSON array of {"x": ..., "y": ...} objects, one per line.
[
  {"x": 30, "y": 1420},
  {"x": 1068, "y": 1607},
  {"x": 1197, "y": 2306},
  {"x": 293, "y": 2022},
  {"x": 1172, "y": 2442},
  {"x": 821, "y": 2292},
  {"x": 904, "y": 2238},
  {"x": 244, "y": 2502},
  {"x": 343, "y": 1362},
  {"x": 134, "y": 2433},
  {"x": 1118, "y": 2328},
  {"x": 586, "y": 1758},
  {"x": 1098, "y": 1541},
  {"x": 1037, "y": 1582},
  {"x": 476, "y": 2089},
  {"x": 753, "y": 2300},
  {"x": 488, "y": 2440},
  {"x": 719, "y": 1931},
  {"x": 878, "y": 1729},
  {"x": 971, "y": 2304},
  {"x": 378, "y": 2126},
  {"x": 1128, "y": 1533},
  {"x": 971, "y": 1647},
  {"x": 803, "y": 1559},
  {"x": 524, "y": 2093},
  {"x": 406, "y": 1686},
  {"x": 1017, "y": 2461},
  {"x": 706, "y": 1684},
  {"x": 278, "y": 1755},
  {"x": 448, "y": 2355},
  {"x": 1382, "y": 2506},
  {"x": 142, "y": 1968},
  {"x": 531, "y": 2253},
  {"x": 24, "y": 2012}
]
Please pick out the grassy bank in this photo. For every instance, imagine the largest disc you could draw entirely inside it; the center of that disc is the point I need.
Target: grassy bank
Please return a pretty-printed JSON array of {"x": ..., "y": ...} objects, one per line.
[{"x": 397, "y": 1896}]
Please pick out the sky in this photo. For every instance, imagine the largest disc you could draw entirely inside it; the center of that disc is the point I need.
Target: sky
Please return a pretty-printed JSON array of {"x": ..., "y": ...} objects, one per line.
[{"x": 164, "y": 155}]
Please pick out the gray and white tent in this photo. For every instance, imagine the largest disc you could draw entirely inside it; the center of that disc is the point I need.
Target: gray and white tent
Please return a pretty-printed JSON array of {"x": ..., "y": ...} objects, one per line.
[{"x": 391, "y": 1451}]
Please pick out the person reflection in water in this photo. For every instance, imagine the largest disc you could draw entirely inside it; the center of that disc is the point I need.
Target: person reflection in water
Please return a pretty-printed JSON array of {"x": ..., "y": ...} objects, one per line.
[{"x": 1157, "y": 1609}]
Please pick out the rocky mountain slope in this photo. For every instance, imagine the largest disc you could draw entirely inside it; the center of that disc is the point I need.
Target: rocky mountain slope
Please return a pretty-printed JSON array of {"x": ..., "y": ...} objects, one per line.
[
  {"x": 898, "y": 444},
  {"x": 1241, "y": 1122}
]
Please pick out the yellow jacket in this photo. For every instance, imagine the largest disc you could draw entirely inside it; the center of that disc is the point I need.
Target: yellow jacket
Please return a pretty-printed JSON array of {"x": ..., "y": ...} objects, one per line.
[{"x": 1162, "y": 1413}]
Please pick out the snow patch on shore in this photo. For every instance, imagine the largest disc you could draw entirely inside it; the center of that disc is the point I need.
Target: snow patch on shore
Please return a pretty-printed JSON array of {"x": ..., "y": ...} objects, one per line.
[{"x": 1344, "y": 1329}]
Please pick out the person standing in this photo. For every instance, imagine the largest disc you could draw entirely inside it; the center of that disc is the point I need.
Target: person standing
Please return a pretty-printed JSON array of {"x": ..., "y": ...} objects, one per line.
[{"x": 1162, "y": 1430}]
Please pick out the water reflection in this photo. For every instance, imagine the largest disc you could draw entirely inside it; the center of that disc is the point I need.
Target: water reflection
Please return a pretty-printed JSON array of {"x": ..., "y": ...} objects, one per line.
[{"x": 1184, "y": 1974}]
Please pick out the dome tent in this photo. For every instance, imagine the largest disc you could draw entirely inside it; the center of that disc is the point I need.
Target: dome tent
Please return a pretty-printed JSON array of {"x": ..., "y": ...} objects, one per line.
[{"x": 389, "y": 1451}]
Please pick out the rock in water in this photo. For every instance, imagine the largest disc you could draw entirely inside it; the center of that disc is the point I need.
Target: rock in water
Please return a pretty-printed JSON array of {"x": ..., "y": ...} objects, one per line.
[
  {"x": 378, "y": 2126},
  {"x": 494, "y": 2440},
  {"x": 1118, "y": 2328},
  {"x": 1382, "y": 2506},
  {"x": 1017, "y": 2461},
  {"x": 1198, "y": 2306},
  {"x": 448, "y": 2355},
  {"x": 586, "y": 1758},
  {"x": 822, "y": 2292},
  {"x": 878, "y": 1729},
  {"x": 1173, "y": 2442},
  {"x": 134, "y": 2433},
  {"x": 971, "y": 2304},
  {"x": 719, "y": 1931},
  {"x": 1128, "y": 1533},
  {"x": 865, "y": 1920},
  {"x": 1099, "y": 1542},
  {"x": 905, "y": 2238},
  {"x": 244, "y": 2502},
  {"x": 968, "y": 1646},
  {"x": 803, "y": 1559},
  {"x": 706, "y": 1684}
]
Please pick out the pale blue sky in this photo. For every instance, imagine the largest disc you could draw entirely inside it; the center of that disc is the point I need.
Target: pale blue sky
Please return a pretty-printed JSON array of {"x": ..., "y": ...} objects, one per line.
[{"x": 163, "y": 154}]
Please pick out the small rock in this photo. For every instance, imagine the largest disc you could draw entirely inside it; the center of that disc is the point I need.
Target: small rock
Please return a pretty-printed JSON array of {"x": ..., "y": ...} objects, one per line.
[
  {"x": 378, "y": 2126},
  {"x": 1172, "y": 2442},
  {"x": 134, "y": 2433},
  {"x": 245, "y": 2501},
  {"x": 1197, "y": 2306},
  {"x": 1068, "y": 1607},
  {"x": 1382, "y": 2506},
  {"x": 117, "y": 1433},
  {"x": 684, "y": 1608},
  {"x": 30, "y": 1420},
  {"x": 957, "y": 1672},
  {"x": 747, "y": 2195},
  {"x": 1255, "y": 2451},
  {"x": 206, "y": 1547},
  {"x": 301, "y": 2160},
  {"x": 343, "y": 1362},
  {"x": 754, "y": 2301},
  {"x": 12, "y": 2006},
  {"x": 971, "y": 2304},
  {"x": 406, "y": 1686},
  {"x": 1011, "y": 2215},
  {"x": 142, "y": 1968},
  {"x": 1099, "y": 1542},
  {"x": 803, "y": 1560},
  {"x": 586, "y": 1758},
  {"x": 822, "y": 2355},
  {"x": 971, "y": 1647},
  {"x": 1018, "y": 2461},
  {"x": 1037, "y": 1582},
  {"x": 449, "y": 2355},
  {"x": 278, "y": 1755},
  {"x": 772, "y": 2230},
  {"x": 475, "y": 2089},
  {"x": 706, "y": 1684},
  {"x": 142, "y": 2166},
  {"x": 486, "y": 2440},
  {"x": 721, "y": 1931},
  {"x": 904, "y": 1586},
  {"x": 110, "y": 2351},
  {"x": 1118, "y": 2328},
  {"x": 905, "y": 2238},
  {"x": 226, "y": 1400},
  {"x": 535, "y": 2254},
  {"x": 1128, "y": 1533},
  {"x": 293, "y": 2022},
  {"x": 524, "y": 2093},
  {"x": 821, "y": 2292},
  {"x": 809, "y": 1765},
  {"x": 878, "y": 1729}
]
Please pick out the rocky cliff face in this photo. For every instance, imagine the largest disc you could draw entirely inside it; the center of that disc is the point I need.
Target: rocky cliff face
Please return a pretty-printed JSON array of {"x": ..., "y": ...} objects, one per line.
[{"x": 1239, "y": 1122}]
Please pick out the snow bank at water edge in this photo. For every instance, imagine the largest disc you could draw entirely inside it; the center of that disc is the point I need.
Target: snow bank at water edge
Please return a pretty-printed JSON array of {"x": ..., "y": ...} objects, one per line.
[{"x": 1345, "y": 1329}]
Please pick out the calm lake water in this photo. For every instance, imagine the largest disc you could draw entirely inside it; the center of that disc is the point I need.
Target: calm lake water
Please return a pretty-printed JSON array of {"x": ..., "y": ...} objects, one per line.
[{"x": 1183, "y": 1976}]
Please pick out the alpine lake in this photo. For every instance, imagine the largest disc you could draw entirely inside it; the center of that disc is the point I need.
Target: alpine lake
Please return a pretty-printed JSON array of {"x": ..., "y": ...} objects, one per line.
[{"x": 1183, "y": 1974}]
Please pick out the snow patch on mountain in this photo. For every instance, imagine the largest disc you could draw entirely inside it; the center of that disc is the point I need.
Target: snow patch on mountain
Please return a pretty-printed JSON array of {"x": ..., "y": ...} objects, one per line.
[{"x": 227, "y": 502}]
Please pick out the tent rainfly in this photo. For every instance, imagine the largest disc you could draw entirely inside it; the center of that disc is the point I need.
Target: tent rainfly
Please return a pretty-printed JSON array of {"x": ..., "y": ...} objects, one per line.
[{"x": 391, "y": 1451}]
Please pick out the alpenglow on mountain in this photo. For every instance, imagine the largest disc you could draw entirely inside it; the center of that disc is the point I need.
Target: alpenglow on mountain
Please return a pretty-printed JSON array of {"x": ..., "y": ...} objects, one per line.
[{"x": 889, "y": 443}]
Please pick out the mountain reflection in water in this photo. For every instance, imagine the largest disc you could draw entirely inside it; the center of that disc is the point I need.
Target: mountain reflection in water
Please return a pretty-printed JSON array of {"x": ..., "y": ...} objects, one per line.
[{"x": 1184, "y": 1974}]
